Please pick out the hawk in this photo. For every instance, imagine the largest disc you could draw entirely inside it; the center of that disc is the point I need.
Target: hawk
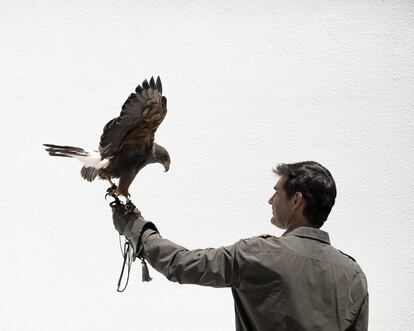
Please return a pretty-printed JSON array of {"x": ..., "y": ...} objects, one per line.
[{"x": 127, "y": 142}]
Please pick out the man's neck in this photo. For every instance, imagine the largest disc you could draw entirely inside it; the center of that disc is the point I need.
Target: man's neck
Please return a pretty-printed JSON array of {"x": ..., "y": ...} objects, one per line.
[{"x": 296, "y": 222}]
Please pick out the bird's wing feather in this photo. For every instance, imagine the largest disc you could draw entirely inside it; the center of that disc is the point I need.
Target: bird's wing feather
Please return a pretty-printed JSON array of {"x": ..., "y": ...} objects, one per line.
[{"x": 140, "y": 117}]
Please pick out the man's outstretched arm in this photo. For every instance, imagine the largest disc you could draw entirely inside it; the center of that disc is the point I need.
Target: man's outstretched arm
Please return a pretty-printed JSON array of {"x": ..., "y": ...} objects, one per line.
[{"x": 216, "y": 267}]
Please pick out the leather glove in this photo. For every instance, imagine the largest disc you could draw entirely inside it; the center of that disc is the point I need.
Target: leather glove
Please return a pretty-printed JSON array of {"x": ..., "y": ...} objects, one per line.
[{"x": 130, "y": 223}]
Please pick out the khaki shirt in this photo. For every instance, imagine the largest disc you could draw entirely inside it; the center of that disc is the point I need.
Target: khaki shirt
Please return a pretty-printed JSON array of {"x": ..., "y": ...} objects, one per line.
[{"x": 294, "y": 282}]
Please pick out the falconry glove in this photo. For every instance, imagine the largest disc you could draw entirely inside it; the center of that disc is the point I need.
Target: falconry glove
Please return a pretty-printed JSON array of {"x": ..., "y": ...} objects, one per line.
[{"x": 130, "y": 223}]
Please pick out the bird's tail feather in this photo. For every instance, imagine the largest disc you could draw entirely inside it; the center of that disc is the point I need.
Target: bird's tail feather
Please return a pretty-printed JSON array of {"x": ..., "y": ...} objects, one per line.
[
  {"x": 91, "y": 159},
  {"x": 65, "y": 151}
]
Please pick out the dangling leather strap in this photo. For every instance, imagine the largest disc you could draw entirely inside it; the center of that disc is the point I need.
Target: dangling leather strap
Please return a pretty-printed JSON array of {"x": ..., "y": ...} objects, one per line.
[{"x": 127, "y": 256}]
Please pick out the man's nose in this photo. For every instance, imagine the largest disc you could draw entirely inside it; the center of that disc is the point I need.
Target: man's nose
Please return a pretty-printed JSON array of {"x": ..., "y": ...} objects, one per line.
[{"x": 270, "y": 200}]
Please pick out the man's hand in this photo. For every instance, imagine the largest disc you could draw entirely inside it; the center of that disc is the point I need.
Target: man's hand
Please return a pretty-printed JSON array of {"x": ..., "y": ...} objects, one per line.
[
  {"x": 121, "y": 216},
  {"x": 130, "y": 224}
]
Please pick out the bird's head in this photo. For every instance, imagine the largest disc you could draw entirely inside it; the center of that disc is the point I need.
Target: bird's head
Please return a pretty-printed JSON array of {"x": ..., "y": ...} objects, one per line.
[{"x": 161, "y": 155}]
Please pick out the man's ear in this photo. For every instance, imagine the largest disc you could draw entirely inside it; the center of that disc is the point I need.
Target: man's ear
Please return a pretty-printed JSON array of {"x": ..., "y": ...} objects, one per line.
[{"x": 297, "y": 200}]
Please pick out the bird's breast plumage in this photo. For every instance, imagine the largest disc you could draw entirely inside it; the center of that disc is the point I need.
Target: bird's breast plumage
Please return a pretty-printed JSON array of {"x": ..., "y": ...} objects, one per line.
[{"x": 122, "y": 163}]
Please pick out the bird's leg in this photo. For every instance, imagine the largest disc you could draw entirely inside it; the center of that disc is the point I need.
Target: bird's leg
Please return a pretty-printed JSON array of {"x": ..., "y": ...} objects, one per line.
[
  {"x": 111, "y": 182},
  {"x": 112, "y": 191}
]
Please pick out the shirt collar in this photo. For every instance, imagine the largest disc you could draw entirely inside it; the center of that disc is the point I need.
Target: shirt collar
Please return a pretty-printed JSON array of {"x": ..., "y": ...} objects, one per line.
[{"x": 309, "y": 232}]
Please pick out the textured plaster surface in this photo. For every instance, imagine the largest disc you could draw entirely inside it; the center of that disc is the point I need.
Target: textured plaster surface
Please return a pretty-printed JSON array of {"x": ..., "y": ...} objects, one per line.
[{"x": 249, "y": 85}]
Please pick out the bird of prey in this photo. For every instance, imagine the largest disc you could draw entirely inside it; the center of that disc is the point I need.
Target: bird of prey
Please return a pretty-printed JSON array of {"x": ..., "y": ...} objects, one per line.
[{"x": 127, "y": 142}]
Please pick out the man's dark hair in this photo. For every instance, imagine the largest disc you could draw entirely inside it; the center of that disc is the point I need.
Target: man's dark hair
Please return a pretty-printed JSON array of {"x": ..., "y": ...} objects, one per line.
[{"x": 316, "y": 184}]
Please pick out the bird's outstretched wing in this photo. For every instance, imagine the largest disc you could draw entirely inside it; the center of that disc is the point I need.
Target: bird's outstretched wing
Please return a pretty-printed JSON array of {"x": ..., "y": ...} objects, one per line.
[{"x": 140, "y": 117}]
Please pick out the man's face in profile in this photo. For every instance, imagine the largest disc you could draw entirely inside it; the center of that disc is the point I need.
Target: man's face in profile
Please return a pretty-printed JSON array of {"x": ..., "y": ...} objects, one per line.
[{"x": 280, "y": 205}]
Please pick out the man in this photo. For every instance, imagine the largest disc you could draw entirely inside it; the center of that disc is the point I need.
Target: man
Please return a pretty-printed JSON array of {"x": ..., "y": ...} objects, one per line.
[{"x": 294, "y": 282}]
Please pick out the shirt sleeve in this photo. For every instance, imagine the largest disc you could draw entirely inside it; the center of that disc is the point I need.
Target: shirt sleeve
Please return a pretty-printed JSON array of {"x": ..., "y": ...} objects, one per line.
[
  {"x": 216, "y": 267},
  {"x": 361, "y": 323}
]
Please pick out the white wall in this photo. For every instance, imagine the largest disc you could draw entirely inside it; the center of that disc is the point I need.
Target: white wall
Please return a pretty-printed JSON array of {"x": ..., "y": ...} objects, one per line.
[{"x": 249, "y": 85}]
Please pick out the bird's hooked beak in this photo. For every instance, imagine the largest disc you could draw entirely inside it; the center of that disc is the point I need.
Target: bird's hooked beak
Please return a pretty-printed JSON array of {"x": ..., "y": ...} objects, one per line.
[{"x": 166, "y": 165}]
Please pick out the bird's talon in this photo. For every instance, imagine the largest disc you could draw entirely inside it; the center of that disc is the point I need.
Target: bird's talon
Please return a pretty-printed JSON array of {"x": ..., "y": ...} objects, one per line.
[
  {"x": 112, "y": 188},
  {"x": 111, "y": 195},
  {"x": 111, "y": 191}
]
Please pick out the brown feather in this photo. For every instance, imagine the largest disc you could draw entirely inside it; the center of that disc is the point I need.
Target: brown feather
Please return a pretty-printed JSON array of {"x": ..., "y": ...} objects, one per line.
[
  {"x": 136, "y": 118},
  {"x": 128, "y": 139}
]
